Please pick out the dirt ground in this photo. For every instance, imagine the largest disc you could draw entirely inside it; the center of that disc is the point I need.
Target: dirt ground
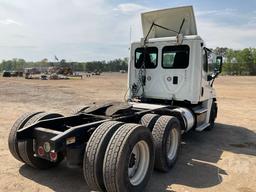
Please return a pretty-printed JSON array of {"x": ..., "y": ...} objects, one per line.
[{"x": 223, "y": 159}]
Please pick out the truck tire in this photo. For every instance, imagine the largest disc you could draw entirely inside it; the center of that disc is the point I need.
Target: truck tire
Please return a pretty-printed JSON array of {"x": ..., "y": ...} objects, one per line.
[
  {"x": 98, "y": 109},
  {"x": 149, "y": 120},
  {"x": 12, "y": 139},
  {"x": 94, "y": 154},
  {"x": 213, "y": 116},
  {"x": 129, "y": 159},
  {"x": 79, "y": 109},
  {"x": 118, "y": 109},
  {"x": 167, "y": 139},
  {"x": 26, "y": 147}
]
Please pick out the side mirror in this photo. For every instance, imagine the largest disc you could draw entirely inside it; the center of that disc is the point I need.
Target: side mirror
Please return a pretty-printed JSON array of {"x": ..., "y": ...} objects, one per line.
[
  {"x": 220, "y": 62},
  {"x": 218, "y": 68},
  {"x": 209, "y": 77}
]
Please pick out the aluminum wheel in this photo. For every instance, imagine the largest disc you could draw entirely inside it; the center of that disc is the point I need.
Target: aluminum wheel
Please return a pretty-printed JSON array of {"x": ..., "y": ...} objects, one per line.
[
  {"x": 138, "y": 162},
  {"x": 172, "y": 143},
  {"x": 129, "y": 159}
]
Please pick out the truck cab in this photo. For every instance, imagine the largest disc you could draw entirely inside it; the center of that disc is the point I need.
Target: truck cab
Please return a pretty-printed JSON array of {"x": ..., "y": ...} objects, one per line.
[{"x": 174, "y": 64}]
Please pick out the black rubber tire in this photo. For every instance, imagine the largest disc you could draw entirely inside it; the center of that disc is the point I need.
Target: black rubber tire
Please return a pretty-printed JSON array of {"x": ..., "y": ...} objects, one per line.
[
  {"x": 94, "y": 154},
  {"x": 118, "y": 108},
  {"x": 161, "y": 132},
  {"x": 117, "y": 156},
  {"x": 12, "y": 139},
  {"x": 26, "y": 146},
  {"x": 213, "y": 116},
  {"x": 149, "y": 120},
  {"x": 79, "y": 109},
  {"x": 98, "y": 109}
]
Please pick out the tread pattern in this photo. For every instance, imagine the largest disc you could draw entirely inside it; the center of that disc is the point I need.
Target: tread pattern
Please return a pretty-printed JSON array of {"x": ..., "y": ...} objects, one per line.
[
  {"x": 26, "y": 147},
  {"x": 112, "y": 155},
  {"x": 159, "y": 135},
  {"x": 98, "y": 109},
  {"x": 149, "y": 120},
  {"x": 93, "y": 158},
  {"x": 79, "y": 109},
  {"x": 12, "y": 139},
  {"x": 118, "y": 108}
]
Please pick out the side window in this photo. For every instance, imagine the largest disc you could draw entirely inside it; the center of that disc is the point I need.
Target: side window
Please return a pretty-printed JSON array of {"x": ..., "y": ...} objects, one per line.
[
  {"x": 175, "y": 57},
  {"x": 148, "y": 55}
]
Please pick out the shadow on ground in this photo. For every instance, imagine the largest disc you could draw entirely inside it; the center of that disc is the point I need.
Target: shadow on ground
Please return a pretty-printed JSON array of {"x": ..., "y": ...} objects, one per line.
[{"x": 195, "y": 167}]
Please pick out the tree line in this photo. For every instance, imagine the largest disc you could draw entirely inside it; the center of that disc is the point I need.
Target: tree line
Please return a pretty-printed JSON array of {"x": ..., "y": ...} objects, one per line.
[
  {"x": 115, "y": 65},
  {"x": 236, "y": 62}
]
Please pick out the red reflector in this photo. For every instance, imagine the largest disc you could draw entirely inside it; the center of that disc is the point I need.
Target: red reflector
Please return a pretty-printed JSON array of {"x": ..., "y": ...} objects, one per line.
[
  {"x": 40, "y": 151},
  {"x": 53, "y": 156}
]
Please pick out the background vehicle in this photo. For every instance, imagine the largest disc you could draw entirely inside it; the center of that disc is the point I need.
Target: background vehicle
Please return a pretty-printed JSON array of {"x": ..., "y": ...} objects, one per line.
[
  {"x": 170, "y": 91},
  {"x": 7, "y": 74}
]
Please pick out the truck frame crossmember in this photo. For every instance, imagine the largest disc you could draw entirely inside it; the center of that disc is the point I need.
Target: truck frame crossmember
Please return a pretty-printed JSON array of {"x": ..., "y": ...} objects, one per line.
[{"x": 61, "y": 129}]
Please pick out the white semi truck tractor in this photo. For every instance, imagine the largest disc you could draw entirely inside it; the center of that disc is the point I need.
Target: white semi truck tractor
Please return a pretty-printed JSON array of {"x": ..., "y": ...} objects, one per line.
[{"x": 118, "y": 145}]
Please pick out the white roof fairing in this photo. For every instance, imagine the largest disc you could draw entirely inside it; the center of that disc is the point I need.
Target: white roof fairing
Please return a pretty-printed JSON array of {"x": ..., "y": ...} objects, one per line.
[{"x": 171, "y": 19}]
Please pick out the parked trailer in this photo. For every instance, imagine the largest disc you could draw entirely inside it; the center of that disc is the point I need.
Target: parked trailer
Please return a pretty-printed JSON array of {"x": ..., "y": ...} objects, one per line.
[{"x": 170, "y": 92}]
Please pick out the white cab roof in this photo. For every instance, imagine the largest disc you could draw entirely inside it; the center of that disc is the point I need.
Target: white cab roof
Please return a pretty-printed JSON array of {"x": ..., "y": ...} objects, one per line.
[{"x": 171, "y": 19}]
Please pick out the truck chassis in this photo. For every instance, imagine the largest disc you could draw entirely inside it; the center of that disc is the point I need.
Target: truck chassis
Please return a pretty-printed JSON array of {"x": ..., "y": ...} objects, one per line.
[{"x": 42, "y": 140}]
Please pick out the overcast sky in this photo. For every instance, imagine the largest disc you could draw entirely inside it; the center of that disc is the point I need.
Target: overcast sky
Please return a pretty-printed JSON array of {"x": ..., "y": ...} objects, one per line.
[{"x": 83, "y": 30}]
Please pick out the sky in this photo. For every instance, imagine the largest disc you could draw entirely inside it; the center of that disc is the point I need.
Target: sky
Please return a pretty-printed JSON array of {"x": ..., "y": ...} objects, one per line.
[{"x": 82, "y": 30}]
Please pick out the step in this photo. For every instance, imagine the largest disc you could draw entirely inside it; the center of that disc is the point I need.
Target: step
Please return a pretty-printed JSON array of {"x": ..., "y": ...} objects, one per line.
[
  {"x": 202, "y": 127},
  {"x": 200, "y": 110}
]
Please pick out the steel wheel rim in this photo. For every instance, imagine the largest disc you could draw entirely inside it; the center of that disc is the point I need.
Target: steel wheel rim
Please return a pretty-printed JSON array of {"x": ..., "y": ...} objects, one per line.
[
  {"x": 172, "y": 144},
  {"x": 138, "y": 163}
]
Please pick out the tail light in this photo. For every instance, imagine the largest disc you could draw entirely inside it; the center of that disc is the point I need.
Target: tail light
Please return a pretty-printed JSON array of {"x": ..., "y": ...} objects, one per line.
[
  {"x": 53, "y": 155},
  {"x": 40, "y": 151}
]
